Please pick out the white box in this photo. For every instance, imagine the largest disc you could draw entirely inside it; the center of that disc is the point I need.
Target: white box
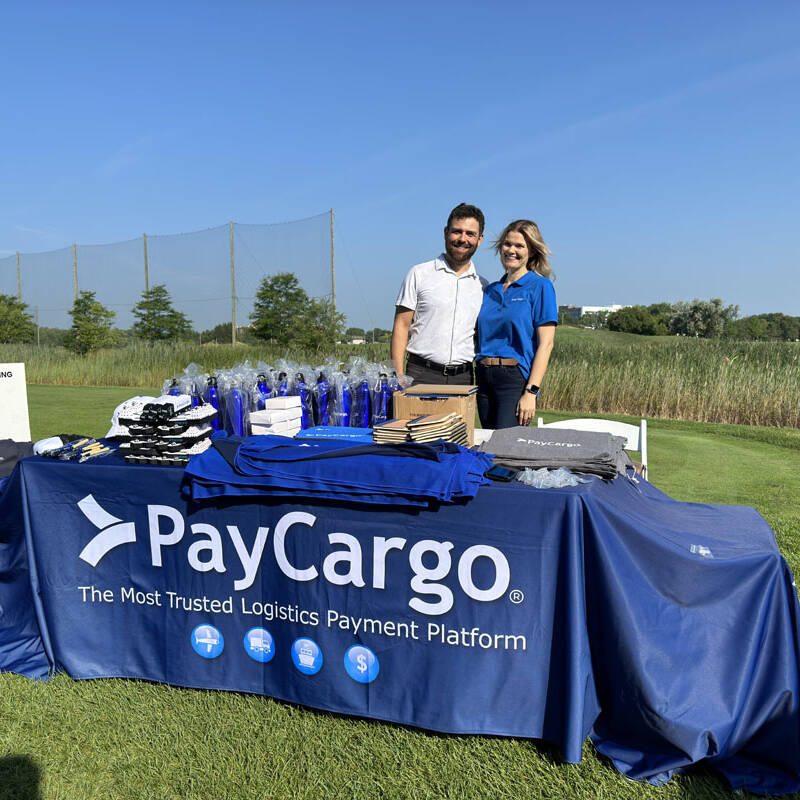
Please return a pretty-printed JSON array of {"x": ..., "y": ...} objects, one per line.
[
  {"x": 287, "y": 428},
  {"x": 270, "y": 417},
  {"x": 282, "y": 402},
  {"x": 14, "y": 421}
]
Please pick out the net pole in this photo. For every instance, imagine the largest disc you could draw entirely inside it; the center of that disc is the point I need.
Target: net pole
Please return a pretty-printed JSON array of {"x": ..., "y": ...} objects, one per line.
[
  {"x": 146, "y": 274},
  {"x": 333, "y": 268},
  {"x": 233, "y": 293},
  {"x": 19, "y": 281},
  {"x": 37, "y": 327},
  {"x": 75, "y": 268}
]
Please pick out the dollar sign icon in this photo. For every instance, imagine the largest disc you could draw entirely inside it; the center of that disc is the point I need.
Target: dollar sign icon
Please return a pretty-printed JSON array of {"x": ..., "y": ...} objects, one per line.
[{"x": 362, "y": 663}]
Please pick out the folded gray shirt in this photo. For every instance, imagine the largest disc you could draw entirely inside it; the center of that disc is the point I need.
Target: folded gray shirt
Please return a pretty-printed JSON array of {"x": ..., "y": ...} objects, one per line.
[{"x": 580, "y": 451}]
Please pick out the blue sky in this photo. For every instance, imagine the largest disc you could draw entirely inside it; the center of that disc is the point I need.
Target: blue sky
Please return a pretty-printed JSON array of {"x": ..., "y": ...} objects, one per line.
[{"x": 655, "y": 144}]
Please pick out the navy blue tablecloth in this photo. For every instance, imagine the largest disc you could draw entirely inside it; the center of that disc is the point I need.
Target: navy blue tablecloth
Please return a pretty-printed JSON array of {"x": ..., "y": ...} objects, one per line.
[{"x": 667, "y": 631}]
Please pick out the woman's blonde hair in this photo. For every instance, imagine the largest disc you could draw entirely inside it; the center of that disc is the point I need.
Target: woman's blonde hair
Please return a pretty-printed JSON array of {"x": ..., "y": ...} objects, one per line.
[{"x": 537, "y": 249}]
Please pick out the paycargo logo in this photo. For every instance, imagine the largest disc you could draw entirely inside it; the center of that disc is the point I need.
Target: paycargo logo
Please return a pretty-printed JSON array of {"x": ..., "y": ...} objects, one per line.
[{"x": 340, "y": 567}]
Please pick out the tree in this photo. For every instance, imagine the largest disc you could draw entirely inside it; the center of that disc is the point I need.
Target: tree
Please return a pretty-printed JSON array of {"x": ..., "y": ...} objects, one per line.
[
  {"x": 378, "y": 335},
  {"x": 279, "y": 306},
  {"x": 633, "y": 319},
  {"x": 594, "y": 319},
  {"x": 355, "y": 333},
  {"x": 51, "y": 336},
  {"x": 321, "y": 326},
  {"x": 703, "y": 318},
  {"x": 156, "y": 319},
  {"x": 91, "y": 325},
  {"x": 16, "y": 325},
  {"x": 283, "y": 313},
  {"x": 221, "y": 334}
]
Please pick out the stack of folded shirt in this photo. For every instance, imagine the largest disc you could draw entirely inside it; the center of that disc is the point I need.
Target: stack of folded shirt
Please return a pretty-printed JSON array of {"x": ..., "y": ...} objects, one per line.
[
  {"x": 407, "y": 474},
  {"x": 580, "y": 451}
]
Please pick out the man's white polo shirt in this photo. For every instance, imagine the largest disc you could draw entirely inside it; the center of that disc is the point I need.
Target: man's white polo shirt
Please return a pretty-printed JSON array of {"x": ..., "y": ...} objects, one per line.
[{"x": 445, "y": 307}]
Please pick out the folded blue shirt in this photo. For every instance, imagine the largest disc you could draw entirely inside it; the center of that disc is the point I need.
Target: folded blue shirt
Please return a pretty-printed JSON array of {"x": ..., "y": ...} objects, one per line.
[{"x": 407, "y": 473}]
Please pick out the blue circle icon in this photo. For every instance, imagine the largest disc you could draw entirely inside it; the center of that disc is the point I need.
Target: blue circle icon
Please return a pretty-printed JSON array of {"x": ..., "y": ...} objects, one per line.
[
  {"x": 207, "y": 641},
  {"x": 361, "y": 664},
  {"x": 306, "y": 656},
  {"x": 259, "y": 645}
]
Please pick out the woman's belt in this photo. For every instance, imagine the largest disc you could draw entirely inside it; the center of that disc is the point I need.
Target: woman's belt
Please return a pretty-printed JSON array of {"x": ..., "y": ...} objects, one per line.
[
  {"x": 445, "y": 369},
  {"x": 498, "y": 362}
]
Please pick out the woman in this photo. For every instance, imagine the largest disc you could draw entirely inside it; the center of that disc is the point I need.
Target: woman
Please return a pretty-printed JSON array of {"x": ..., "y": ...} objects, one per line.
[{"x": 515, "y": 329}]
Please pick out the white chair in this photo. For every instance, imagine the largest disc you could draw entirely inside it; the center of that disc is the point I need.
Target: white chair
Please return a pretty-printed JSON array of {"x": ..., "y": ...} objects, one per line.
[{"x": 635, "y": 435}]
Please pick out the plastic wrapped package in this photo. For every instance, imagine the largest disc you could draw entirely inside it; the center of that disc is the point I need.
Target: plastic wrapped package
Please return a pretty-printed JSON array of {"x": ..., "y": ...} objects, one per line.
[
  {"x": 301, "y": 388},
  {"x": 322, "y": 397},
  {"x": 235, "y": 400},
  {"x": 550, "y": 478},
  {"x": 212, "y": 397}
]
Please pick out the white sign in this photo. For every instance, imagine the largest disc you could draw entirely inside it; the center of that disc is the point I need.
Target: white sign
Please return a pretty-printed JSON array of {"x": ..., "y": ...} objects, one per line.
[{"x": 14, "y": 421}]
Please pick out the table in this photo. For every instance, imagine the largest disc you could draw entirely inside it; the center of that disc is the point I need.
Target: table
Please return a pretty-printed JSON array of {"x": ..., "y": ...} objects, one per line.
[{"x": 667, "y": 631}]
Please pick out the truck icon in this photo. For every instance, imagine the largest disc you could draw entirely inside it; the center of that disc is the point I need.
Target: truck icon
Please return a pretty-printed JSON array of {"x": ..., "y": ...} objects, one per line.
[{"x": 260, "y": 644}]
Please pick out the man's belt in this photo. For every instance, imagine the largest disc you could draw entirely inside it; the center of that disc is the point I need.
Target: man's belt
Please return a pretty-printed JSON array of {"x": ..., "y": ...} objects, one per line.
[
  {"x": 445, "y": 369},
  {"x": 498, "y": 362}
]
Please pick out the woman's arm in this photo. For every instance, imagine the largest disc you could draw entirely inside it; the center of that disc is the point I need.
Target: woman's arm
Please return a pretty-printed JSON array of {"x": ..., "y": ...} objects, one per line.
[{"x": 526, "y": 406}]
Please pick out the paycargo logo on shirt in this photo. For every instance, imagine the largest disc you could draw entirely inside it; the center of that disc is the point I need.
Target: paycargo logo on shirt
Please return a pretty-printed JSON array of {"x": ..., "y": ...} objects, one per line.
[{"x": 341, "y": 567}]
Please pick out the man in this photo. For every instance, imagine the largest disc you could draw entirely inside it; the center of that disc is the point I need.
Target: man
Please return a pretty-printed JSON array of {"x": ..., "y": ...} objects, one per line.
[{"x": 438, "y": 304}]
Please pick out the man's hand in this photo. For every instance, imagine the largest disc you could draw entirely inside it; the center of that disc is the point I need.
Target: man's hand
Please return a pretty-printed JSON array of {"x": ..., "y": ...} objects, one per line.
[{"x": 526, "y": 408}]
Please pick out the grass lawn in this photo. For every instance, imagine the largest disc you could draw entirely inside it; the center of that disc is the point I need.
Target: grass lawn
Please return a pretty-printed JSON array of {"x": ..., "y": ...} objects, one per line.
[{"x": 127, "y": 739}]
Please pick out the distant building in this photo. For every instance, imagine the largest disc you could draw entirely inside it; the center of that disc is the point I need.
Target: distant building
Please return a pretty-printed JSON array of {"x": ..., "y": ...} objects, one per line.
[{"x": 576, "y": 312}]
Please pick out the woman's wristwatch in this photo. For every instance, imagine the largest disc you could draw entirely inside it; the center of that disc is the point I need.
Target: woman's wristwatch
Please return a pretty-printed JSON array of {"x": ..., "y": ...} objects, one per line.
[{"x": 532, "y": 389}]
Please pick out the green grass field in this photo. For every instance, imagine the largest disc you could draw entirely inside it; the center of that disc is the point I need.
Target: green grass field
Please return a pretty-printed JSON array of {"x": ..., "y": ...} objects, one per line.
[
  {"x": 749, "y": 383},
  {"x": 126, "y": 739}
]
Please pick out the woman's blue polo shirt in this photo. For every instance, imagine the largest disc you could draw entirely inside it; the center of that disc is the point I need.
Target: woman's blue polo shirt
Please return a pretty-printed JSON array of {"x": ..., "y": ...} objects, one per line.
[{"x": 508, "y": 320}]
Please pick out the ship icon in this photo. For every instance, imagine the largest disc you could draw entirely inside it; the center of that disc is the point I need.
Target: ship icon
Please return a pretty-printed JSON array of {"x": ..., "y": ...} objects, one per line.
[{"x": 306, "y": 656}]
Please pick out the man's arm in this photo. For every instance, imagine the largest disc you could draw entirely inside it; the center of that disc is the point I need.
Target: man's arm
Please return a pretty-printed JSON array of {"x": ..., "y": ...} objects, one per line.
[{"x": 402, "y": 323}]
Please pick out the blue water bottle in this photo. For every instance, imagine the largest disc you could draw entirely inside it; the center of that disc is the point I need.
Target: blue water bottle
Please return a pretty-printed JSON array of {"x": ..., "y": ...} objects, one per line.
[
  {"x": 283, "y": 385},
  {"x": 262, "y": 391},
  {"x": 307, "y": 418},
  {"x": 235, "y": 416},
  {"x": 347, "y": 404},
  {"x": 363, "y": 405},
  {"x": 383, "y": 402},
  {"x": 322, "y": 397},
  {"x": 212, "y": 398}
]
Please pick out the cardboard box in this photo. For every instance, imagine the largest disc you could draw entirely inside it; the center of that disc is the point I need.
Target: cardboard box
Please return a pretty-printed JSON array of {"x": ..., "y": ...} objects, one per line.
[{"x": 429, "y": 398}]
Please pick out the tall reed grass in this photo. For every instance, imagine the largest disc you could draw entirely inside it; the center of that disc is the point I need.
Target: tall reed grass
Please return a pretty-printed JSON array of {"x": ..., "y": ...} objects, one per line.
[{"x": 748, "y": 383}]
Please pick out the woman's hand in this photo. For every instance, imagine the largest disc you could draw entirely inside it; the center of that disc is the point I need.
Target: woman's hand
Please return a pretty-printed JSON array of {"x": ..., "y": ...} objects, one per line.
[{"x": 526, "y": 408}]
